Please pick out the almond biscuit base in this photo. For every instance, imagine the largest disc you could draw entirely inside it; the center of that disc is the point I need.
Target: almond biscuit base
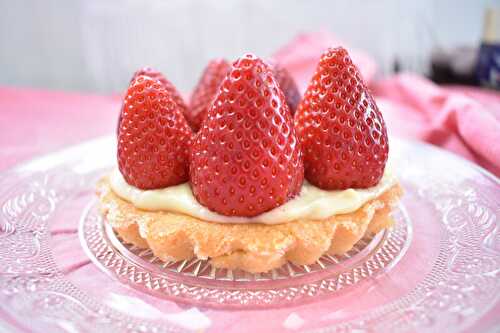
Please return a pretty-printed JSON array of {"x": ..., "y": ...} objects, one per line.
[{"x": 254, "y": 248}]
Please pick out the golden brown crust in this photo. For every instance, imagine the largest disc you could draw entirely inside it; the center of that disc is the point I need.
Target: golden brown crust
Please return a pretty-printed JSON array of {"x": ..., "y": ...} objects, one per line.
[
  {"x": 251, "y": 247},
  {"x": 130, "y": 234}
]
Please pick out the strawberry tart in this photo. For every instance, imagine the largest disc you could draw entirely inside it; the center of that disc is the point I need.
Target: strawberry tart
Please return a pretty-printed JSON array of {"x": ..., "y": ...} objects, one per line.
[{"x": 250, "y": 174}]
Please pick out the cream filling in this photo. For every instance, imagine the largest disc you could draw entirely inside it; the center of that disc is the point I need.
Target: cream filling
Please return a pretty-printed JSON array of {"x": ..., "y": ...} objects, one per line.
[{"x": 312, "y": 203}]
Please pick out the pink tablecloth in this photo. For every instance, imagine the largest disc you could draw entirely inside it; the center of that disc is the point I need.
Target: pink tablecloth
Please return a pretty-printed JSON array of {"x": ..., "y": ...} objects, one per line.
[
  {"x": 34, "y": 122},
  {"x": 460, "y": 119}
]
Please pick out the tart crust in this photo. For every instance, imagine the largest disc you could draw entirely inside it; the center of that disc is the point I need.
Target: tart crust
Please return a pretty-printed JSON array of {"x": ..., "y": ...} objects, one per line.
[{"x": 254, "y": 248}]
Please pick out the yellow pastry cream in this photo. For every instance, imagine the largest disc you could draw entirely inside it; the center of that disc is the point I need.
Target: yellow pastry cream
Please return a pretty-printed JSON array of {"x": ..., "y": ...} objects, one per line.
[{"x": 312, "y": 203}]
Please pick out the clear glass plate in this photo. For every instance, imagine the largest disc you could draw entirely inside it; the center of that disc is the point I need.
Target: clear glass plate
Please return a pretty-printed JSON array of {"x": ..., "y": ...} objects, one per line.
[{"x": 62, "y": 270}]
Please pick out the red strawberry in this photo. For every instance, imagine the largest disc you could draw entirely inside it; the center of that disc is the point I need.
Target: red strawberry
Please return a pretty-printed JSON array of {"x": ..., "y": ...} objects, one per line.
[
  {"x": 205, "y": 91},
  {"x": 287, "y": 85},
  {"x": 153, "y": 137},
  {"x": 176, "y": 96},
  {"x": 246, "y": 159},
  {"x": 341, "y": 129}
]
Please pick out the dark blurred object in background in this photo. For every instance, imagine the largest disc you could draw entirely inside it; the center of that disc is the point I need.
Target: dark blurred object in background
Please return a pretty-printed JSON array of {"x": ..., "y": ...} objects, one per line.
[
  {"x": 457, "y": 66},
  {"x": 469, "y": 65},
  {"x": 488, "y": 67}
]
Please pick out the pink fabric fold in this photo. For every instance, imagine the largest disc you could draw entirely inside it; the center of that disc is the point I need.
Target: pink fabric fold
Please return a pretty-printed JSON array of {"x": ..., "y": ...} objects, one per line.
[{"x": 467, "y": 124}]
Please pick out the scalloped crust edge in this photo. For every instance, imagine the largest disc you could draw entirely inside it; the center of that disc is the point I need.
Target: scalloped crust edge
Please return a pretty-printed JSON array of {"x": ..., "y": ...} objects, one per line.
[{"x": 255, "y": 248}]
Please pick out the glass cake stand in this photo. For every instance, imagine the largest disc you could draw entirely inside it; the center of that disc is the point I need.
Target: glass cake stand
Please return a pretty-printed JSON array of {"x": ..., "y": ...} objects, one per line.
[{"x": 64, "y": 270}]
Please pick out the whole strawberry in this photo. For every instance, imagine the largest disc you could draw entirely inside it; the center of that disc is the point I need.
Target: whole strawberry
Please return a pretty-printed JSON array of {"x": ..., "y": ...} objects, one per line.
[
  {"x": 176, "y": 96},
  {"x": 205, "y": 91},
  {"x": 341, "y": 129},
  {"x": 287, "y": 85},
  {"x": 153, "y": 137},
  {"x": 246, "y": 159}
]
